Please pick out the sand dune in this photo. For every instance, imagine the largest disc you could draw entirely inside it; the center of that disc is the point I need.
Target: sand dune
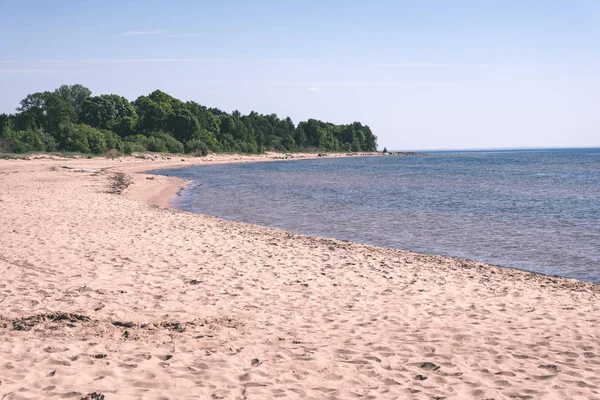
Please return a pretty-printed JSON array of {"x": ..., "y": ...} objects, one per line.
[{"x": 104, "y": 294}]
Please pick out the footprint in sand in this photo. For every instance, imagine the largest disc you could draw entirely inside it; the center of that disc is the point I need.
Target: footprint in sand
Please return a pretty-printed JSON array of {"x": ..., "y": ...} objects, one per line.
[{"x": 52, "y": 349}]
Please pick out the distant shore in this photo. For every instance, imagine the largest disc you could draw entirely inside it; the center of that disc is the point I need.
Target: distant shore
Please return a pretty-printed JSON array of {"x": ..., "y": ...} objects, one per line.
[{"x": 104, "y": 292}]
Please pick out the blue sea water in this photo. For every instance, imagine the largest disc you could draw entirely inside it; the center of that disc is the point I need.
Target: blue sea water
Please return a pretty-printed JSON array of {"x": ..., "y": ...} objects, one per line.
[{"x": 537, "y": 210}]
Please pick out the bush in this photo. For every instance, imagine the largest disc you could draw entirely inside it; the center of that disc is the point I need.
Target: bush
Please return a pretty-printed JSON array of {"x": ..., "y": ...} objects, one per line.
[
  {"x": 83, "y": 138},
  {"x": 136, "y": 139},
  {"x": 136, "y": 143},
  {"x": 127, "y": 148},
  {"x": 96, "y": 140},
  {"x": 159, "y": 142},
  {"x": 138, "y": 148},
  {"x": 22, "y": 141},
  {"x": 156, "y": 144},
  {"x": 49, "y": 143},
  {"x": 173, "y": 145},
  {"x": 197, "y": 146},
  {"x": 246, "y": 147},
  {"x": 33, "y": 139},
  {"x": 113, "y": 141},
  {"x": 71, "y": 138},
  {"x": 4, "y": 145}
]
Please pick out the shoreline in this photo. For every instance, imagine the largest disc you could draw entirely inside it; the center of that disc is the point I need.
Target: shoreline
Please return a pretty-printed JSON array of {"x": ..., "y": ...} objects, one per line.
[
  {"x": 161, "y": 189},
  {"x": 108, "y": 295},
  {"x": 161, "y": 195},
  {"x": 170, "y": 186}
]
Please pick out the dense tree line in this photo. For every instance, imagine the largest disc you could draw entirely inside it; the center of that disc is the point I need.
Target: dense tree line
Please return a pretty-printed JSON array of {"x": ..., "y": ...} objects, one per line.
[{"x": 71, "y": 119}]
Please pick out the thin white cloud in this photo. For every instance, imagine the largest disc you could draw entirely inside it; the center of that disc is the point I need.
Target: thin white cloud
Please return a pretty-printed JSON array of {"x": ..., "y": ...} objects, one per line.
[
  {"x": 35, "y": 71},
  {"x": 80, "y": 62},
  {"x": 81, "y": 66},
  {"x": 410, "y": 65},
  {"x": 318, "y": 85},
  {"x": 127, "y": 61},
  {"x": 407, "y": 84},
  {"x": 382, "y": 84},
  {"x": 179, "y": 35},
  {"x": 261, "y": 61},
  {"x": 313, "y": 89},
  {"x": 143, "y": 33},
  {"x": 430, "y": 65}
]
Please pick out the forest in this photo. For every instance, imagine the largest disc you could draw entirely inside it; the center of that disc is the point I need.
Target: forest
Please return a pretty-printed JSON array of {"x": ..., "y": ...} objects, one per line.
[{"x": 70, "y": 119}]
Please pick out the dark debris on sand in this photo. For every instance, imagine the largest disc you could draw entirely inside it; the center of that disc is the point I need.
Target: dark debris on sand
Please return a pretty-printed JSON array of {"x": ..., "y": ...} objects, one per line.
[
  {"x": 124, "y": 324},
  {"x": 28, "y": 323},
  {"x": 119, "y": 183},
  {"x": 93, "y": 396}
]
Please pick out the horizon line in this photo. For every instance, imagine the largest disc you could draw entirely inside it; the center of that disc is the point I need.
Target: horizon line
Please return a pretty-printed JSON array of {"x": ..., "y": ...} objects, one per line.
[{"x": 500, "y": 148}]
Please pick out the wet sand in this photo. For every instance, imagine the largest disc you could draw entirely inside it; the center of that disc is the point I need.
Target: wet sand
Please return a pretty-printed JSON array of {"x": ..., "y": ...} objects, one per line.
[{"x": 104, "y": 290}]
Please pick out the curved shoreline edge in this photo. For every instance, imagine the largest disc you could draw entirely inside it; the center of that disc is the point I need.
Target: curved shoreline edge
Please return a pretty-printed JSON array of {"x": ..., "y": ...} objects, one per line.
[{"x": 168, "y": 187}]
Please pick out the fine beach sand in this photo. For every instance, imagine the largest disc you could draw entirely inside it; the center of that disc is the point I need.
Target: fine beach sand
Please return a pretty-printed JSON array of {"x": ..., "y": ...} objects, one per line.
[{"x": 112, "y": 294}]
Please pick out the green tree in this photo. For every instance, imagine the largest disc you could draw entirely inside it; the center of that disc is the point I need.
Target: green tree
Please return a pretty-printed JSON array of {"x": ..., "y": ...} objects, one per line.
[
  {"x": 168, "y": 103},
  {"x": 300, "y": 138},
  {"x": 4, "y": 124},
  {"x": 33, "y": 109},
  {"x": 75, "y": 95},
  {"x": 44, "y": 110},
  {"x": 152, "y": 117},
  {"x": 208, "y": 121},
  {"x": 58, "y": 113},
  {"x": 110, "y": 111},
  {"x": 184, "y": 125}
]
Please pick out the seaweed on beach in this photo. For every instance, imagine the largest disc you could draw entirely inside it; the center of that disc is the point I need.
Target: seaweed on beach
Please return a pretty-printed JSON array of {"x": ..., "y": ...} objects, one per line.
[
  {"x": 173, "y": 326},
  {"x": 124, "y": 324},
  {"x": 93, "y": 396},
  {"x": 28, "y": 323},
  {"x": 119, "y": 183}
]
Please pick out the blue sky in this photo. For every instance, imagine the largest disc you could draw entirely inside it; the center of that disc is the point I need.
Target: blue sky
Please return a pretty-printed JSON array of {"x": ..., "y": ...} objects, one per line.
[{"x": 421, "y": 74}]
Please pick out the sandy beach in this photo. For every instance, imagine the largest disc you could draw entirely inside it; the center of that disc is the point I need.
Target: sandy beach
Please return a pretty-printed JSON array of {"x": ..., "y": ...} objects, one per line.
[{"x": 104, "y": 291}]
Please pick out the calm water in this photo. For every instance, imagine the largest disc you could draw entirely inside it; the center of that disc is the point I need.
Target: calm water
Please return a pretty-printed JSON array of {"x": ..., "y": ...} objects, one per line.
[{"x": 536, "y": 209}]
